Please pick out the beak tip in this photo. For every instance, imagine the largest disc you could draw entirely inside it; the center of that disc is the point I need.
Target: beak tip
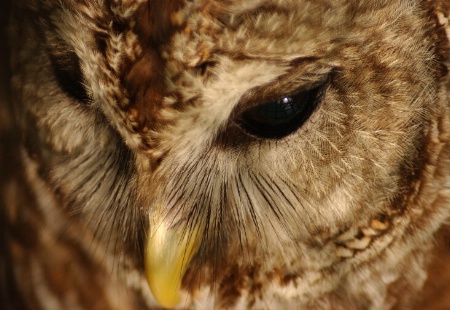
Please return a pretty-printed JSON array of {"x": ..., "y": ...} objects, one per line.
[{"x": 166, "y": 297}]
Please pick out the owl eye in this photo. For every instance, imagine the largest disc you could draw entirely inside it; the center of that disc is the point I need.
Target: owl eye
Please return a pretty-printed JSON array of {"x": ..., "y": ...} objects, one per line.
[
  {"x": 281, "y": 117},
  {"x": 66, "y": 67}
]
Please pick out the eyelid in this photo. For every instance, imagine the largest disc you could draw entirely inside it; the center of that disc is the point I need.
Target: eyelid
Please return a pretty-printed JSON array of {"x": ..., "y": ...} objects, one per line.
[{"x": 290, "y": 84}]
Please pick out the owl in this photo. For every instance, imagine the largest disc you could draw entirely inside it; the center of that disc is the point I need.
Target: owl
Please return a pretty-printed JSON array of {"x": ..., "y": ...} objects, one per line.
[{"x": 225, "y": 154}]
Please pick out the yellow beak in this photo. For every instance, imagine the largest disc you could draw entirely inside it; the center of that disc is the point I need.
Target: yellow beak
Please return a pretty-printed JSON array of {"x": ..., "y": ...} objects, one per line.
[{"x": 168, "y": 252}]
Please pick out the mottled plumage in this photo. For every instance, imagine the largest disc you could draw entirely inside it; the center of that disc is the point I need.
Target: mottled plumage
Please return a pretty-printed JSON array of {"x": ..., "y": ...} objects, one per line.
[{"x": 284, "y": 153}]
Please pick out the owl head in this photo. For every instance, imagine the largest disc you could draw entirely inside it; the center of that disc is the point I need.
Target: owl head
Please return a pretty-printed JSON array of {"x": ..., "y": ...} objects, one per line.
[{"x": 257, "y": 152}]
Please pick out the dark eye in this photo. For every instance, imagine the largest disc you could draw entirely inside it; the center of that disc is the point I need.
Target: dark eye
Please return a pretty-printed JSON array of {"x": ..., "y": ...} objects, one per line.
[
  {"x": 66, "y": 67},
  {"x": 279, "y": 118}
]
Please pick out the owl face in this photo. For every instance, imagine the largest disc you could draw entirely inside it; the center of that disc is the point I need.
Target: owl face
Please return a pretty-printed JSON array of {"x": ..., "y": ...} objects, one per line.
[{"x": 210, "y": 138}]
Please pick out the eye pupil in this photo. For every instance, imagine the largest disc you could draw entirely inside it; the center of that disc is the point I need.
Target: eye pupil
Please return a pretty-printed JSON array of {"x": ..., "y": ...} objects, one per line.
[
  {"x": 279, "y": 110},
  {"x": 281, "y": 117}
]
